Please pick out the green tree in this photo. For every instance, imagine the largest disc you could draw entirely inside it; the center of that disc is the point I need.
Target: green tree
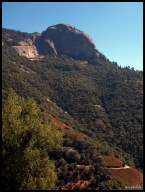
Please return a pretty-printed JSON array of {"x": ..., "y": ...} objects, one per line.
[
  {"x": 26, "y": 141},
  {"x": 61, "y": 162}
]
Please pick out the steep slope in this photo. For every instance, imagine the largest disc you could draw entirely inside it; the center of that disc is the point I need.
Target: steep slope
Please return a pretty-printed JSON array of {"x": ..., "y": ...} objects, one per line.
[
  {"x": 63, "y": 127},
  {"x": 96, "y": 97},
  {"x": 132, "y": 177}
]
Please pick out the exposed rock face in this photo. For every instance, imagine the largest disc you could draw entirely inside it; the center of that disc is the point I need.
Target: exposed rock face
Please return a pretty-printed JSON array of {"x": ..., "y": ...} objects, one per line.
[
  {"x": 28, "y": 51},
  {"x": 45, "y": 46},
  {"x": 27, "y": 47},
  {"x": 60, "y": 39},
  {"x": 66, "y": 39}
]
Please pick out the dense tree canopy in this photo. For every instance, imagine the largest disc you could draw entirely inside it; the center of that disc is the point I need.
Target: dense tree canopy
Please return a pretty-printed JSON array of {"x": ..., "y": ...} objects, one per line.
[
  {"x": 97, "y": 98},
  {"x": 26, "y": 141}
]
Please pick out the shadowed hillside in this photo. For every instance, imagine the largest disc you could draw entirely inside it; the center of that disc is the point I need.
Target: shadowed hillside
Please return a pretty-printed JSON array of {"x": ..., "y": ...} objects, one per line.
[{"x": 95, "y": 102}]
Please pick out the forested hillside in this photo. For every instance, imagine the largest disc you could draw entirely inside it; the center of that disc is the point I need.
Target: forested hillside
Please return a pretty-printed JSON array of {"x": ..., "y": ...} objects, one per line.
[{"x": 97, "y": 98}]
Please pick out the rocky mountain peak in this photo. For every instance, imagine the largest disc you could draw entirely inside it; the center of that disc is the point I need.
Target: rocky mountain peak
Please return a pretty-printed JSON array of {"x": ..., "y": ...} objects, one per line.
[
  {"x": 67, "y": 40},
  {"x": 62, "y": 39}
]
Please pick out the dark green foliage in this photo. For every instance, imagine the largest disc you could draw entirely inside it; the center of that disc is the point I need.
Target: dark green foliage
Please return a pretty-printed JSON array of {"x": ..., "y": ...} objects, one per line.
[
  {"x": 74, "y": 160},
  {"x": 26, "y": 140},
  {"x": 100, "y": 99},
  {"x": 12, "y": 37},
  {"x": 117, "y": 91}
]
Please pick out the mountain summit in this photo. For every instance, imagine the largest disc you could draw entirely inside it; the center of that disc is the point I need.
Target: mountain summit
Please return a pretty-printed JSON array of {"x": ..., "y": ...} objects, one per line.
[
  {"x": 97, "y": 104},
  {"x": 60, "y": 39},
  {"x": 66, "y": 39}
]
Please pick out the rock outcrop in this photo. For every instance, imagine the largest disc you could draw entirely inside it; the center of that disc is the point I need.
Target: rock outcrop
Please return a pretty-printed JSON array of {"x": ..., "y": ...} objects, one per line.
[
  {"x": 27, "y": 47},
  {"x": 66, "y": 39},
  {"x": 60, "y": 39},
  {"x": 27, "y": 51}
]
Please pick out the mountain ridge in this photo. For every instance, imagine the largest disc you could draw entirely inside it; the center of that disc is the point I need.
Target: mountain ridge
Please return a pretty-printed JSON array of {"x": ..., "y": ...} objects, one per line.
[
  {"x": 98, "y": 98},
  {"x": 59, "y": 39}
]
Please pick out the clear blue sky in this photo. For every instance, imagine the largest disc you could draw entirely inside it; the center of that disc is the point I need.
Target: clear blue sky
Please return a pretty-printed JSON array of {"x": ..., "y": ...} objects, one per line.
[{"x": 115, "y": 27}]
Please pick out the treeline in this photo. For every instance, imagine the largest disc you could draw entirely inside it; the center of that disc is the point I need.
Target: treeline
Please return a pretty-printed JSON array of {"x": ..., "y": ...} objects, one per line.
[
  {"x": 36, "y": 156},
  {"x": 100, "y": 98},
  {"x": 12, "y": 37}
]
